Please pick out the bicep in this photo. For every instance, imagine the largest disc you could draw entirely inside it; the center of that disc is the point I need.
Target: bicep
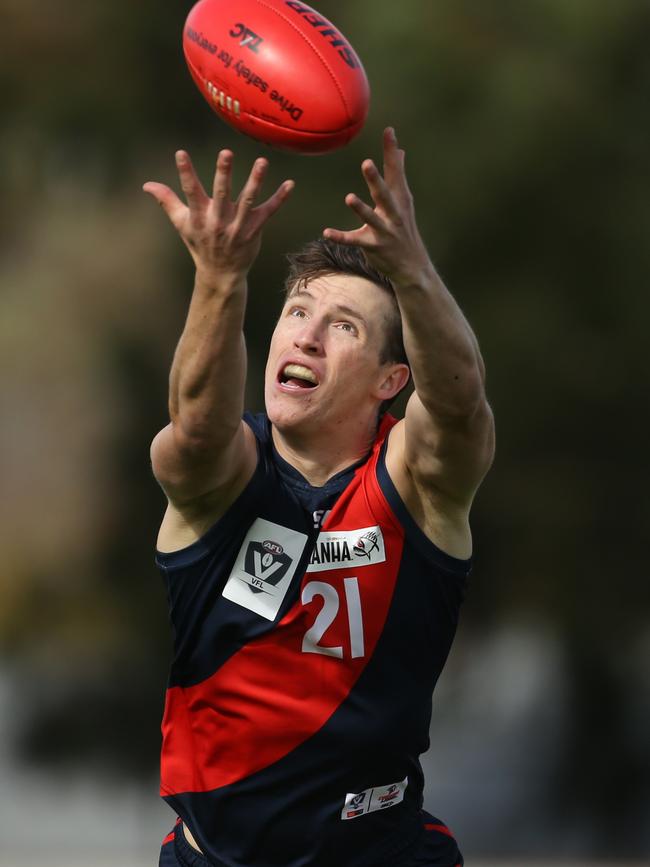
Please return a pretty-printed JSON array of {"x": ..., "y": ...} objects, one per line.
[
  {"x": 449, "y": 455},
  {"x": 189, "y": 471}
]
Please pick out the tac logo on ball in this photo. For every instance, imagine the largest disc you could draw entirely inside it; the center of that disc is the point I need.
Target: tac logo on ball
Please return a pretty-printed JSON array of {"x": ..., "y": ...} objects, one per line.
[{"x": 278, "y": 71}]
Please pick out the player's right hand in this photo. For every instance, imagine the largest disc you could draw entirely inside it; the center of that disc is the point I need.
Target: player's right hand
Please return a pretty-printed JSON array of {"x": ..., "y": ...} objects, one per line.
[{"x": 223, "y": 236}]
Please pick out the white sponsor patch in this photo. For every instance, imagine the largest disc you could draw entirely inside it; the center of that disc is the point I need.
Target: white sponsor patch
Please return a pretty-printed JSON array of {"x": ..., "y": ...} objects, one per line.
[
  {"x": 264, "y": 567},
  {"x": 345, "y": 548},
  {"x": 380, "y": 798}
]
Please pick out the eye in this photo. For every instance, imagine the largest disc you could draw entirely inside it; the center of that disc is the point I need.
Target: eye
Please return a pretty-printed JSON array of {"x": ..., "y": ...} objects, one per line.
[
  {"x": 298, "y": 312},
  {"x": 346, "y": 326}
]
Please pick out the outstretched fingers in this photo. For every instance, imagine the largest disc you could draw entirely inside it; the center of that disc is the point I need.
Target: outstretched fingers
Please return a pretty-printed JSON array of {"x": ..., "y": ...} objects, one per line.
[
  {"x": 251, "y": 190},
  {"x": 354, "y": 238},
  {"x": 379, "y": 190},
  {"x": 197, "y": 198},
  {"x": 394, "y": 158},
  {"x": 274, "y": 202},
  {"x": 365, "y": 212},
  {"x": 222, "y": 187},
  {"x": 374, "y": 225},
  {"x": 210, "y": 225}
]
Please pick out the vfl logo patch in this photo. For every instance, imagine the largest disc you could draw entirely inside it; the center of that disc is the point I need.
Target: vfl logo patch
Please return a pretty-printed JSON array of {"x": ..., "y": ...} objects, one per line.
[
  {"x": 371, "y": 800},
  {"x": 264, "y": 567},
  {"x": 268, "y": 563},
  {"x": 345, "y": 548}
]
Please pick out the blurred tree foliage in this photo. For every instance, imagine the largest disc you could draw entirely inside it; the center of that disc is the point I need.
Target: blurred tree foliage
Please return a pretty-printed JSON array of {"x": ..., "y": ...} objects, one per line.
[{"x": 527, "y": 127}]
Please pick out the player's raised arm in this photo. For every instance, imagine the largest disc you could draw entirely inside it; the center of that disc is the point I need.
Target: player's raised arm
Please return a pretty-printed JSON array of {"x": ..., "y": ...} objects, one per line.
[
  {"x": 206, "y": 449},
  {"x": 445, "y": 445}
]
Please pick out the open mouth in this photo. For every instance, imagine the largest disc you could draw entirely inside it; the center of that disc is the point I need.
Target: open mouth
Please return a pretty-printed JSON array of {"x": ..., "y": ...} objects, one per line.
[{"x": 297, "y": 376}]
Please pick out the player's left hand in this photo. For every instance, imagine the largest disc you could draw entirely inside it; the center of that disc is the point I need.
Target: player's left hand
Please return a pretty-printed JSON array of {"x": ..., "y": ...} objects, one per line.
[{"x": 390, "y": 235}]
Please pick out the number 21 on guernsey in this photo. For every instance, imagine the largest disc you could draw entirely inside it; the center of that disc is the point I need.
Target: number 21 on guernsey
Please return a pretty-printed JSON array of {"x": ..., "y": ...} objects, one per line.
[{"x": 327, "y": 616}]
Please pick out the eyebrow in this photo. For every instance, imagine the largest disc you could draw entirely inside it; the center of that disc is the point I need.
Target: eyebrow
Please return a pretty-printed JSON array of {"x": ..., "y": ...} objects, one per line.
[{"x": 341, "y": 308}]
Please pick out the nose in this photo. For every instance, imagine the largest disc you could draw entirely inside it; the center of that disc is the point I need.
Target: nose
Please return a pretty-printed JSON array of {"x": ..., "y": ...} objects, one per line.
[{"x": 308, "y": 339}]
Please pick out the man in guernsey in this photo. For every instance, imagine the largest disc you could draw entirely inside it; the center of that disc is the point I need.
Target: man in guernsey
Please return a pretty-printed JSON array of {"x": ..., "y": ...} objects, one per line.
[{"x": 316, "y": 555}]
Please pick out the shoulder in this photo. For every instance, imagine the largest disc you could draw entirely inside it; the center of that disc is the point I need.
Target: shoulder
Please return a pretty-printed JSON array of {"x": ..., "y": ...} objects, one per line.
[
  {"x": 443, "y": 520},
  {"x": 187, "y": 519},
  {"x": 259, "y": 425}
]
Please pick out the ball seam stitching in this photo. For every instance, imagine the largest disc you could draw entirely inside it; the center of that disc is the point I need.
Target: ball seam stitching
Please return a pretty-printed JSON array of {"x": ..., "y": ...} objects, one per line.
[{"x": 316, "y": 51}]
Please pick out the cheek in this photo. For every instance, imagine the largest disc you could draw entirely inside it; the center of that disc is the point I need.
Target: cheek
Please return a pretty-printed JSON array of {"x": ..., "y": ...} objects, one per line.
[
  {"x": 271, "y": 363},
  {"x": 276, "y": 342},
  {"x": 356, "y": 369}
]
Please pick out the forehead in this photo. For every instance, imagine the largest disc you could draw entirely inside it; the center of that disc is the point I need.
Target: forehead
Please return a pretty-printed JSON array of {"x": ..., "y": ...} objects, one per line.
[{"x": 346, "y": 292}]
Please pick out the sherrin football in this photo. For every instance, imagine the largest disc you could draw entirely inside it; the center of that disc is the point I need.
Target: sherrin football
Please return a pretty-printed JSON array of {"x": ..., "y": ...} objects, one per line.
[{"x": 278, "y": 71}]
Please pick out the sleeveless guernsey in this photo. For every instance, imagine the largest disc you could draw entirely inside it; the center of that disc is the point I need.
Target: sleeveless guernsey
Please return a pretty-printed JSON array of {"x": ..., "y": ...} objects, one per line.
[{"x": 310, "y": 627}]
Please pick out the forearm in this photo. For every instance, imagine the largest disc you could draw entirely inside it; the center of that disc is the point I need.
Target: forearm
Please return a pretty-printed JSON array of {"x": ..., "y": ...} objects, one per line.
[
  {"x": 207, "y": 380},
  {"x": 206, "y": 389},
  {"x": 443, "y": 352}
]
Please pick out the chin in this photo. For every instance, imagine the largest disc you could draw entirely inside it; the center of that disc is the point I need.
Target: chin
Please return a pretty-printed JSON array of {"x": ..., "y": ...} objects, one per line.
[
  {"x": 283, "y": 413},
  {"x": 288, "y": 414},
  {"x": 286, "y": 418}
]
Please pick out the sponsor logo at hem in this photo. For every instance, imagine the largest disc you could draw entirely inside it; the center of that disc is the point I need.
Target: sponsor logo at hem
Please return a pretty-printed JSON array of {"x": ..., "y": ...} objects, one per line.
[{"x": 372, "y": 800}]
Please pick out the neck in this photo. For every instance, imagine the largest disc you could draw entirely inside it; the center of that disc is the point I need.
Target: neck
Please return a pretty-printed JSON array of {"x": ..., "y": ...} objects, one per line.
[{"x": 320, "y": 456}]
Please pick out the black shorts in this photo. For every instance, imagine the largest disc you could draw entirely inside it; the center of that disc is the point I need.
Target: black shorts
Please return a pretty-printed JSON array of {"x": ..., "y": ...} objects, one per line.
[{"x": 438, "y": 848}]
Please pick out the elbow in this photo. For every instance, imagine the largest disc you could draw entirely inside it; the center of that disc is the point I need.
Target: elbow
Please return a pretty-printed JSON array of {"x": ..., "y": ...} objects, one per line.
[
  {"x": 195, "y": 432},
  {"x": 175, "y": 451},
  {"x": 463, "y": 398},
  {"x": 469, "y": 394}
]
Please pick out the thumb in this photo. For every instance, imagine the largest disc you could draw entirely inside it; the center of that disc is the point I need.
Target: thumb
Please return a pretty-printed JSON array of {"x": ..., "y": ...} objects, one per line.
[{"x": 168, "y": 201}]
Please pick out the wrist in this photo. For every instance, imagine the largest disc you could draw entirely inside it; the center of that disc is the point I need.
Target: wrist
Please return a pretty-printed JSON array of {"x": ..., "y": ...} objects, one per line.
[
  {"x": 422, "y": 277},
  {"x": 216, "y": 281}
]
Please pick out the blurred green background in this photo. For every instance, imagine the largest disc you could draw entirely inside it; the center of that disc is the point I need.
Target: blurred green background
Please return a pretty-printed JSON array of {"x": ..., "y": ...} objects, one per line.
[{"x": 527, "y": 131}]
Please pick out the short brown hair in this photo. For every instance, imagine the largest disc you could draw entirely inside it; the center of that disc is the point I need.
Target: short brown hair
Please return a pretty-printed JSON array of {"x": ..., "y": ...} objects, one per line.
[{"x": 321, "y": 257}]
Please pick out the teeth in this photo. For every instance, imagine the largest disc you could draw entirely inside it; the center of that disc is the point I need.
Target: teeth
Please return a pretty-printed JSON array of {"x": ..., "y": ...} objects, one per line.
[{"x": 300, "y": 372}]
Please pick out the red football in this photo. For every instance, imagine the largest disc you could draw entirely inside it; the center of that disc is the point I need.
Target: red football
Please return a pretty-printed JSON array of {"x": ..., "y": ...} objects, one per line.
[{"x": 278, "y": 71}]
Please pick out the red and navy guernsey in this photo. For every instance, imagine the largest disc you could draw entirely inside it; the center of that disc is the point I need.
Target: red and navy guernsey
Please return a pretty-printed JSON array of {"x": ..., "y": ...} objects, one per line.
[{"x": 310, "y": 627}]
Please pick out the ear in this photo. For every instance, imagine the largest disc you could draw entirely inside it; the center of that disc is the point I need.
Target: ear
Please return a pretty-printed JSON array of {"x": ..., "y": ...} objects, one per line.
[{"x": 394, "y": 378}]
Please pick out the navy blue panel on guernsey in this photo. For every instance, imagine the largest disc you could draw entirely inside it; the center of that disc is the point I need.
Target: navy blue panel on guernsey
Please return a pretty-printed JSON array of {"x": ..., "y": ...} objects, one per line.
[
  {"x": 289, "y": 813},
  {"x": 190, "y": 573}
]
